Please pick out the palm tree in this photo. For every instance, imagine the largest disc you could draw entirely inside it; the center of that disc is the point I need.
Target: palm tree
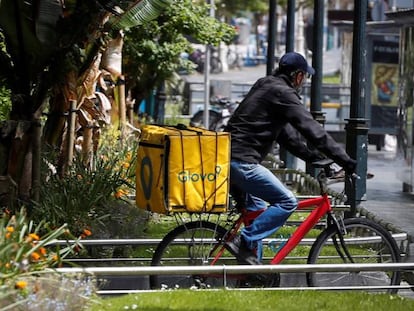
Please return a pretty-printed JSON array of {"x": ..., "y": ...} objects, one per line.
[{"x": 53, "y": 55}]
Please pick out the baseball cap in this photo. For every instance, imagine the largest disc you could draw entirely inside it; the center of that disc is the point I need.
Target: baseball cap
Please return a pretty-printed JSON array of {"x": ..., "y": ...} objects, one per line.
[{"x": 295, "y": 61}]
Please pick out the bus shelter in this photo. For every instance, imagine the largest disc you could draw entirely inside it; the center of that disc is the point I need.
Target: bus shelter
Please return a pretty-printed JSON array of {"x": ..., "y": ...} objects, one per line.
[{"x": 382, "y": 76}]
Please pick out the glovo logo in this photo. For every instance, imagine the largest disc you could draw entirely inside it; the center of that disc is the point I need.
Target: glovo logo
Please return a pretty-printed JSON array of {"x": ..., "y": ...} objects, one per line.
[{"x": 188, "y": 176}]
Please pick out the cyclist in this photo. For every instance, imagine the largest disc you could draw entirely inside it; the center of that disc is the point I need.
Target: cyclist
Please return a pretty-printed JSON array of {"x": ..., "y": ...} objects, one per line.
[{"x": 272, "y": 111}]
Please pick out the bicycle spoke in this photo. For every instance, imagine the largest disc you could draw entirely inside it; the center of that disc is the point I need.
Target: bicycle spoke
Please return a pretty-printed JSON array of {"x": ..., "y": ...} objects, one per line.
[
  {"x": 363, "y": 242},
  {"x": 193, "y": 243}
]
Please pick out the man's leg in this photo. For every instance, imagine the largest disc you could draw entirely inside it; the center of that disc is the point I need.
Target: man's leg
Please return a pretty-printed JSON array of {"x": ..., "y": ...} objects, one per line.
[{"x": 263, "y": 186}]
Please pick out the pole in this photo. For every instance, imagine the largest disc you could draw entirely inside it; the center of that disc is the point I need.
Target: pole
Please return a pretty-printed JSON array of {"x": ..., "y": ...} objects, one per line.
[
  {"x": 288, "y": 159},
  {"x": 357, "y": 124},
  {"x": 36, "y": 159},
  {"x": 122, "y": 106},
  {"x": 206, "y": 116},
  {"x": 271, "y": 37},
  {"x": 290, "y": 26},
  {"x": 161, "y": 97},
  {"x": 316, "y": 85},
  {"x": 317, "y": 51},
  {"x": 71, "y": 131}
]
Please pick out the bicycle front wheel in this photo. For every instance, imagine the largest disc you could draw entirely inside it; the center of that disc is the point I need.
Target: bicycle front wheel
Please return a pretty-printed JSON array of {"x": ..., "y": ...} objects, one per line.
[
  {"x": 192, "y": 244},
  {"x": 366, "y": 242}
]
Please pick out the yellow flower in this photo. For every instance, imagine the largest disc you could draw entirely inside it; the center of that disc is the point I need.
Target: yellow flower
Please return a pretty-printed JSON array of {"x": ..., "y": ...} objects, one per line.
[
  {"x": 9, "y": 231},
  {"x": 34, "y": 236},
  {"x": 20, "y": 285},
  {"x": 125, "y": 165},
  {"x": 129, "y": 156},
  {"x": 43, "y": 251},
  {"x": 118, "y": 194},
  {"x": 85, "y": 233},
  {"x": 35, "y": 256}
]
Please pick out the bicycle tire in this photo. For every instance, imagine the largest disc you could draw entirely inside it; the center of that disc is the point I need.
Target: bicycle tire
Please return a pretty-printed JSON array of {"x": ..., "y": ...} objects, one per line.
[
  {"x": 171, "y": 251},
  {"x": 366, "y": 250}
]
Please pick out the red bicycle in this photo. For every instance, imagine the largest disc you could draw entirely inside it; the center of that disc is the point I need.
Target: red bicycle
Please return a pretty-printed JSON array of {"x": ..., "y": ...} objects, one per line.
[{"x": 341, "y": 240}]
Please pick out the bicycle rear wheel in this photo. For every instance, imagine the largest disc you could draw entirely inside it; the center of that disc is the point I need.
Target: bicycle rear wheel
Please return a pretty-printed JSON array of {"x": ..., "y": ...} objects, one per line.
[
  {"x": 192, "y": 244},
  {"x": 367, "y": 242}
]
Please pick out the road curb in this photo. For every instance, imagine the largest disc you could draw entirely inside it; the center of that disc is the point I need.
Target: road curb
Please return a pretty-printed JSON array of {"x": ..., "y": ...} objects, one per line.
[{"x": 387, "y": 225}]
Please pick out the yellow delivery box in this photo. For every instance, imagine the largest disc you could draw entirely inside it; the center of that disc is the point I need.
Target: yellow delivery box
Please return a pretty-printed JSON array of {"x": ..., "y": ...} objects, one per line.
[{"x": 182, "y": 169}]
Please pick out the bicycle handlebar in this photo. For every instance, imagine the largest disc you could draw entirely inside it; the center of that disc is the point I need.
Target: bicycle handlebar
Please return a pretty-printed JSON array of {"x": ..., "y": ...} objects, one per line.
[
  {"x": 327, "y": 172},
  {"x": 326, "y": 163}
]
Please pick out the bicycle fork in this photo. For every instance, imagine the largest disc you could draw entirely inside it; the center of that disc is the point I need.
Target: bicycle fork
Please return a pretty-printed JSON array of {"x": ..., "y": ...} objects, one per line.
[{"x": 341, "y": 248}]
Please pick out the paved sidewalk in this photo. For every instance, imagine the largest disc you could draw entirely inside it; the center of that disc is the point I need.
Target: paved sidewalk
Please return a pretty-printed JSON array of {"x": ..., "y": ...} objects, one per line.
[
  {"x": 385, "y": 200},
  {"x": 387, "y": 204}
]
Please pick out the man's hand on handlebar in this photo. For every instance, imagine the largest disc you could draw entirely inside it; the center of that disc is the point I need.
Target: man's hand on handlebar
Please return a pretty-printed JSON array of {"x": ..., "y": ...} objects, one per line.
[
  {"x": 350, "y": 167},
  {"x": 336, "y": 172}
]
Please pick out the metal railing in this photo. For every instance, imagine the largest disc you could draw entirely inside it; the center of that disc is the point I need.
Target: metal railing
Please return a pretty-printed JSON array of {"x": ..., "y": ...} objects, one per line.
[
  {"x": 152, "y": 242},
  {"x": 226, "y": 270},
  {"x": 240, "y": 269}
]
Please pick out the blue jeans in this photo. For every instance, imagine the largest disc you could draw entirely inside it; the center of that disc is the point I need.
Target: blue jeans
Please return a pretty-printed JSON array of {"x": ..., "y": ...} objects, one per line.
[{"x": 263, "y": 190}]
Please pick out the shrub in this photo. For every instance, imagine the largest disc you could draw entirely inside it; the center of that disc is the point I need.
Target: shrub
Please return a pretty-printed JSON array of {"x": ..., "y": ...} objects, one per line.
[
  {"x": 26, "y": 257},
  {"x": 85, "y": 197}
]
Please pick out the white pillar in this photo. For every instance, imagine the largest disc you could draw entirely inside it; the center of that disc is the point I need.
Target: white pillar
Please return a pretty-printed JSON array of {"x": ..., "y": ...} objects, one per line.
[
  {"x": 223, "y": 50},
  {"x": 300, "y": 36},
  {"x": 335, "y": 29}
]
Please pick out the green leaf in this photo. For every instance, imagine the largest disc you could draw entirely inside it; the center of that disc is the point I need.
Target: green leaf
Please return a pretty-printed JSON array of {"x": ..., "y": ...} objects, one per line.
[{"x": 140, "y": 13}]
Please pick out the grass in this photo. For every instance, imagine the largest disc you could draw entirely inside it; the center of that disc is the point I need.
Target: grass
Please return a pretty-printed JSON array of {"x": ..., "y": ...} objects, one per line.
[
  {"x": 335, "y": 79},
  {"x": 260, "y": 300}
]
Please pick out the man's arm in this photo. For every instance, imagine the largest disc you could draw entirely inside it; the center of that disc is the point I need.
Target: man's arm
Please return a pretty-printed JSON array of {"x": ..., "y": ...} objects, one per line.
[
  {"x": 295, "y": 143},
  {"x": 313, "y": 132}
]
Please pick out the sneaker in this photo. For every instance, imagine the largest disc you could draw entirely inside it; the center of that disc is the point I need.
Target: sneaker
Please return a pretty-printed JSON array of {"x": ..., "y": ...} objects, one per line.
[
  {"x": 262, "y": 280},
  {"x": 238, "y": 248}
]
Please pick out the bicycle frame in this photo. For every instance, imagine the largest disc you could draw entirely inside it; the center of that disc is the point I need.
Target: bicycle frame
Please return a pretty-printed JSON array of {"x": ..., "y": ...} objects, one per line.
[{"x": 322, "y": 207}]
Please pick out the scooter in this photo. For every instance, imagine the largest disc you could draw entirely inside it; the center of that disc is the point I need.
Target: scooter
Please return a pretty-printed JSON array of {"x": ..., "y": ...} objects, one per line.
[
  {"x": 220, "y": 111},
  {"x": 198, "y": 58}
]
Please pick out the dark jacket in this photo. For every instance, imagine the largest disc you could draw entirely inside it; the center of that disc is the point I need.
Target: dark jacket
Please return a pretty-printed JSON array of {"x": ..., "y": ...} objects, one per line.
[{"x": 273, "y": 111}]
